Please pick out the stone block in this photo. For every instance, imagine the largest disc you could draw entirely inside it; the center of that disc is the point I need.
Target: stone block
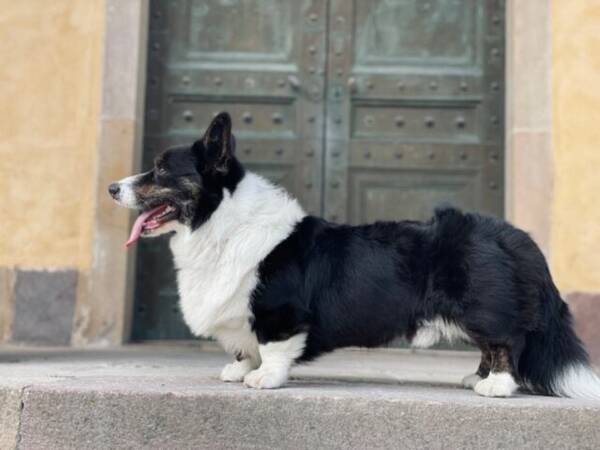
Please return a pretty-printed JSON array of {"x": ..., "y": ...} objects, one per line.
[{"x": 44, "y": 302}]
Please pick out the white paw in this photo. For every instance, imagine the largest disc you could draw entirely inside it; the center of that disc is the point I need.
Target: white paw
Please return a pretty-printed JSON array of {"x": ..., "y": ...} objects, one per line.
[
  {"x": 497, "y": 385},
  {"x": 266, "y": 378},
  {"x": 236, "y": 371},
  {"x": 470, "y": 381}
]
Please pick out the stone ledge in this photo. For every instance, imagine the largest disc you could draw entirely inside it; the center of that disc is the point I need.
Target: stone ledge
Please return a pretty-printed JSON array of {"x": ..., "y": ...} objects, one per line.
[{"x": 169, "y": 397}]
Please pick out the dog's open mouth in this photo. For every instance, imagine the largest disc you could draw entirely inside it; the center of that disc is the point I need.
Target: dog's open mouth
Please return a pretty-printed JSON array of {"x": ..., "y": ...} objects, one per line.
[{"x": 151, "y": 220}]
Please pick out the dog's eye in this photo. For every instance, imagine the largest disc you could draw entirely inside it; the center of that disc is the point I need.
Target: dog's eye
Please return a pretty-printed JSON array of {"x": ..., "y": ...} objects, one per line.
[{"x": 158, "y": 175}]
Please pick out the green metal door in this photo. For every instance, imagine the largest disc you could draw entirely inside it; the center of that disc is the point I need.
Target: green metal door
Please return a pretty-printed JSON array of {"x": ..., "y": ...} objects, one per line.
[
  {"x": 364, "y": 109},
  {"x": 414, "y": 108}
]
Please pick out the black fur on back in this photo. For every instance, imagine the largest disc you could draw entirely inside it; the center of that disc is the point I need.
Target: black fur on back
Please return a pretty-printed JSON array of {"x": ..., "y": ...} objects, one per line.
[{"x": 366, "y": 285}]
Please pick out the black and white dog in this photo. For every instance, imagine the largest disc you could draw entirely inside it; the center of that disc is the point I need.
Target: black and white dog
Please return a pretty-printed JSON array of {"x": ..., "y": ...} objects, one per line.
[{"x": 275, "y": 286}]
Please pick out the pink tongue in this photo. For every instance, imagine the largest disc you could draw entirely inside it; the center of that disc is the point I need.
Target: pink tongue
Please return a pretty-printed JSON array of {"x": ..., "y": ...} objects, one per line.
[{"x": 138, "y": 226}]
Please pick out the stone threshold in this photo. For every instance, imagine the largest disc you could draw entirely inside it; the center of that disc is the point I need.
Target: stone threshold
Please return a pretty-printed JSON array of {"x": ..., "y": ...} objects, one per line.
[{"x": 169, "y": 396}]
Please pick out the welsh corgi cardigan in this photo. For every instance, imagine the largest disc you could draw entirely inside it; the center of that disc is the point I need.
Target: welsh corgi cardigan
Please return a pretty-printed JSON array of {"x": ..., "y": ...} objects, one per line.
[{"x": 276, "y": 286}]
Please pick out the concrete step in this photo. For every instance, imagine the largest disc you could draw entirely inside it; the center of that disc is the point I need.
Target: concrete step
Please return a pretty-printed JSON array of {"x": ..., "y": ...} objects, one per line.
[{"x": 169, "y": 397}]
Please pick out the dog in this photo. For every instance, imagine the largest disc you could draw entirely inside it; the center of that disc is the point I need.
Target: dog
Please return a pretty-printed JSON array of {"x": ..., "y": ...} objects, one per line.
[{"x": 276, "y": 286}]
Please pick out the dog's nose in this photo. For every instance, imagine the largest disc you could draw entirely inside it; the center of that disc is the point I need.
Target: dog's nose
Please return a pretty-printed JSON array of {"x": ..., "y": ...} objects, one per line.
[{"x": 114, "y": 189}]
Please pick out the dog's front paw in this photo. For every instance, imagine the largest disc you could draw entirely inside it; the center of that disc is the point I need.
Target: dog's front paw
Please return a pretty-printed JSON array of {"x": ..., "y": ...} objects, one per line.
[
  {"x": 470, "y": 381},
  {"x": 266, "y": 378},
  {"x": 236, "y": 371},
  {"x": 497, "y": 385}
]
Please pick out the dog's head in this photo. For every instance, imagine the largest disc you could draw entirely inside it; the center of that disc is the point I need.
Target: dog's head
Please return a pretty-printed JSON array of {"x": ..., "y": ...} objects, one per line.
[{"x": 185, "y": 186}]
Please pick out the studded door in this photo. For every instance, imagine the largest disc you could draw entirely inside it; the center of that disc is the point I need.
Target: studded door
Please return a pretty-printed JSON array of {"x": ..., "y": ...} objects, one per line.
[
  {"x": 363, "y": 109},
  {"x": 262, "y": 61},
  {"x": 414, "y": 108}
]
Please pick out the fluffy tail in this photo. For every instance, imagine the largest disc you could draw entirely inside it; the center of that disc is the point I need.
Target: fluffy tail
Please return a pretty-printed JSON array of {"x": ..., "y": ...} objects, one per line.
[{"x": 554, "y": 361}]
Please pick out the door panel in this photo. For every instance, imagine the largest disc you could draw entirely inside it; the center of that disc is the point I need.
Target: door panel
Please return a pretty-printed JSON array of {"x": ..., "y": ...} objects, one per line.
[
  {"x": 416, "y": 33},
  {"x": 414, "y": 108}
]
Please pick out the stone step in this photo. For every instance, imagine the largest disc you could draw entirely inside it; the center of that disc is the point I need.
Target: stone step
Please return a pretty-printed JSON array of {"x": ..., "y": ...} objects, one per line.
[{"x": 169, "y": 397}]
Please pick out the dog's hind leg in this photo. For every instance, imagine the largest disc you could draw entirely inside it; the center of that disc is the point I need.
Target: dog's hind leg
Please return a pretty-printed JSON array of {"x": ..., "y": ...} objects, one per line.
[
  {"x": 483, "y": 370},
  {"x": 277, "y": 359},
  {"x": 500, "y": 381}
]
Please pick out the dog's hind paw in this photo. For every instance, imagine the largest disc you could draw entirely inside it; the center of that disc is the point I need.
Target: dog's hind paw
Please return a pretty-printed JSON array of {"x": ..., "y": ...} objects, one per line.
[
  {"x": 497, "y": 385},
  {"x": 266, "y": 378}
]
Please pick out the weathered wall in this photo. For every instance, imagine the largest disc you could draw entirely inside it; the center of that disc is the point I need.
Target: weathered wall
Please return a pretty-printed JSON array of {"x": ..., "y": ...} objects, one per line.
[
  {"x": 50, "y": 90},
  {"x": 575, "y": 239}
]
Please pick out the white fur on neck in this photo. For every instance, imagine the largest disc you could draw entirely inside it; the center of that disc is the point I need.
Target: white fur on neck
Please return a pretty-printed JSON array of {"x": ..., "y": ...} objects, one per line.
[{"x": 218, "y": 263}]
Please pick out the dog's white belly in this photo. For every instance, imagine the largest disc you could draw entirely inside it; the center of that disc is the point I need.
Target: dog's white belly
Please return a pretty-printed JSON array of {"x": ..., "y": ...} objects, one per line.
[{"x": 432, "y": 331}]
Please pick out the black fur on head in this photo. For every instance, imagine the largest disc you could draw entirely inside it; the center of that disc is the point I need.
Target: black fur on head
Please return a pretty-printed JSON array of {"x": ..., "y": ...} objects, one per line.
[{"x": 190, "y": 179}]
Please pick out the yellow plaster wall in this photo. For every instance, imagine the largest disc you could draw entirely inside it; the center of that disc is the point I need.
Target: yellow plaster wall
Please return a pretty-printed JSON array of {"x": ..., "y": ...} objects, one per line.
[
  {"x": 50, "y": 95},
  {"x": 575, "y": 231}
]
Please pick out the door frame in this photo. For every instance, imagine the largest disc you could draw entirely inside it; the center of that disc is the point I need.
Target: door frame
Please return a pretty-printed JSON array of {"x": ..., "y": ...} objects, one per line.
[{"x": 105, "y": 294}]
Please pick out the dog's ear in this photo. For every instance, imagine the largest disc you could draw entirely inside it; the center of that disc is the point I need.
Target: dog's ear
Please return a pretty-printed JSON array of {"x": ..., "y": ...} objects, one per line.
[{"x": 218, "y": 143}]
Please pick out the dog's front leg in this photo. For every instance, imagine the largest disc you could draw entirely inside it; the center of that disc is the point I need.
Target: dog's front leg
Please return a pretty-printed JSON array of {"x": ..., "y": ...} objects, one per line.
[
  {"x": 237, "y": 339},
  {"x": 277, "y": 359}
]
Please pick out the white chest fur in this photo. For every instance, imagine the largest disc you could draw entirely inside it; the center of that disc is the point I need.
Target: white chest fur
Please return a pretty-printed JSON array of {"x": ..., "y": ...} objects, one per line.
[{"x": 218, "y": 263}]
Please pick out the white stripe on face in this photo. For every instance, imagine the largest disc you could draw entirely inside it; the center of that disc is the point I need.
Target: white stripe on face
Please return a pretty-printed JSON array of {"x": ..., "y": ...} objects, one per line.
[{"x": 126, "y": 196}]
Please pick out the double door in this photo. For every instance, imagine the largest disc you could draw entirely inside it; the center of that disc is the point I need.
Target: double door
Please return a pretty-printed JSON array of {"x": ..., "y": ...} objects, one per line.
[{"x": 363, "y": 109}]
